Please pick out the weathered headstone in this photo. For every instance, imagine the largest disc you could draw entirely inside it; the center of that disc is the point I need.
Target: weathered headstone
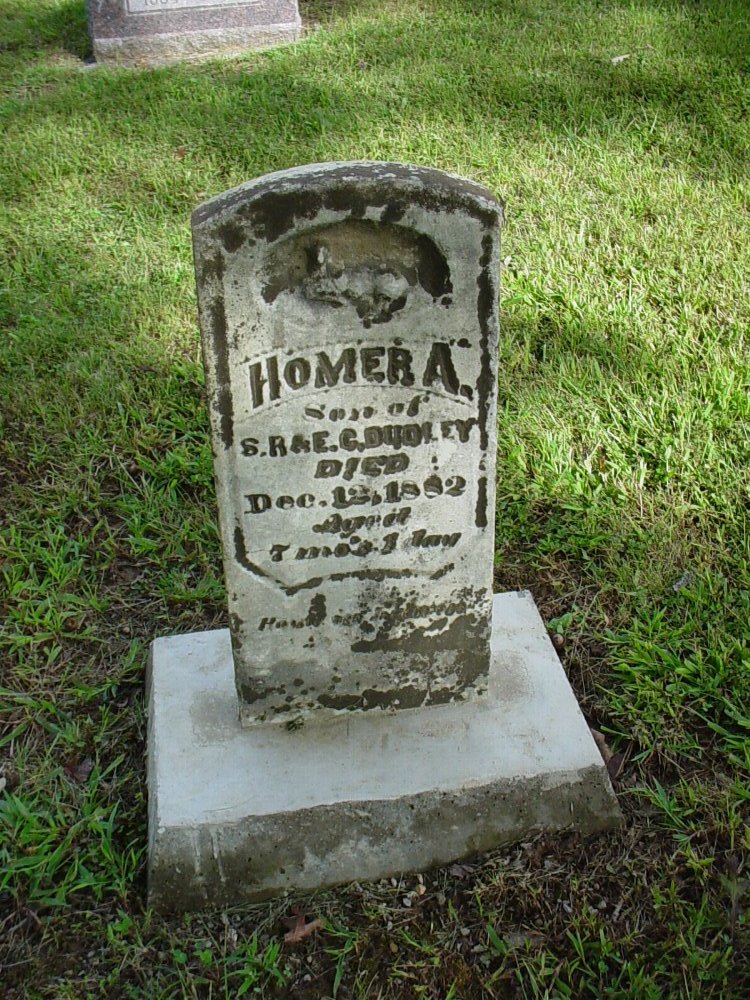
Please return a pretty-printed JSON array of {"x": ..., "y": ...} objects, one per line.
[
  {"x": 154, "y": 32},
  {"x": 350, "y": 344},
  {"x": 377, "y": 710}
]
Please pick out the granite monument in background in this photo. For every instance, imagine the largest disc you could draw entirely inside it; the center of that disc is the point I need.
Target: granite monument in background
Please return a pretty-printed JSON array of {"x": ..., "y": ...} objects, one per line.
[
  {"x": 155, "y": 32},
  {"x": 371, "y": 708}
]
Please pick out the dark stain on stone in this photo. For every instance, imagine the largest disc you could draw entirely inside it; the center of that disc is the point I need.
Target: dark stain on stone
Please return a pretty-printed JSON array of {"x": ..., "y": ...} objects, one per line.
[
  {"x": 363, "y": 574},
  {"x": 480, "y": 517},
  {"x": 462, "y": 633},
  {"x": 485, "y": 305},
  {"x": 223, "y": 401},
  {"x": 312, "y": 584},
  {"x": 374, "y": 574},
  {"x": 254, "y": 689},
  {"x": 240, "y": 554},
  {"x": 343, "y": 701},
  {"x": 470, "y": 670},
  {"x": 346, "y": 199},
  {"x": 212, "y": 268},
  {"x": 317, "y": 613},
  {"x": 393, "y": 212},
  {"x": 407, "y": 697},
  {"x": 467, "y": 636},
  {"x": 235, "y": 636},
  {"x": 351, "y": 187},
  {"x": 275, "y": 212},
  {"x": 249, "y": 690},
  {"x": 231, "y": 235},
  {"x": 443, "y": 571},
  {"x": 434, "y": 273}
]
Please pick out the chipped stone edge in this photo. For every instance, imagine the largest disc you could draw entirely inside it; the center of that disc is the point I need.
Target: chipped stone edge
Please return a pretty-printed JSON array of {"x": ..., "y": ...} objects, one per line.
[
  {"x": 187, "y": 870},
  {"x": 323, "y": 176}
]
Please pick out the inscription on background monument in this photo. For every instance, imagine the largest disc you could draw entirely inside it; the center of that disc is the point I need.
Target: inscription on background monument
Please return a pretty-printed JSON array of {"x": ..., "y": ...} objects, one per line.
[
  {"x": 148, "y": 6},
  {"x": 350, "y": 340}
]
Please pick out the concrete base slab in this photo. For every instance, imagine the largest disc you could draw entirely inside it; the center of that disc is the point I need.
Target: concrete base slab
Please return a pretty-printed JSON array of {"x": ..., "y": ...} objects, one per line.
[{"x": 241, "y": 814}]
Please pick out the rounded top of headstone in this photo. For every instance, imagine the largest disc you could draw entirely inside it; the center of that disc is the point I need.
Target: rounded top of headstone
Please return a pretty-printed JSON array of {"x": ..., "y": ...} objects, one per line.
[{"x": 349, "y": 186}]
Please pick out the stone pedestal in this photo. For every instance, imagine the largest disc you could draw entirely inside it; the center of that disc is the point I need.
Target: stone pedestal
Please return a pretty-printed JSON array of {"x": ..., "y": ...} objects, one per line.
[
  {"x": 238, "y": 814},
  {"x": 156, "y": 32}
]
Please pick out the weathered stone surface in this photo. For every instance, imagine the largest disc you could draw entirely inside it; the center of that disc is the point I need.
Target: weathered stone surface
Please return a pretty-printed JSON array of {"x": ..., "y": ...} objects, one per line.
[
  {"x": 349, "y": 319},
  {"x": 153, "y": 32},
  {"x": 238, "y": 814}
]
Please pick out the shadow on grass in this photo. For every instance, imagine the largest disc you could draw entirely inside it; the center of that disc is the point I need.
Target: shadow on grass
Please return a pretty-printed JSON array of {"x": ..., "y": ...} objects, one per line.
[
  {"x": 106, "y": 166},
  {"x": 519, "y": 75},
  {"x": 503, "y": 72},
  {"x": 63, "y": 25}
]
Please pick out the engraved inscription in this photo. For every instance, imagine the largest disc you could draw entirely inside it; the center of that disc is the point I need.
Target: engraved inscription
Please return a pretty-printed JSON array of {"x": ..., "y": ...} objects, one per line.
[
  {"x": 381, "y": 365},
  {"x": 406, "y": 450},
  {"x": 151, "y": 6}
]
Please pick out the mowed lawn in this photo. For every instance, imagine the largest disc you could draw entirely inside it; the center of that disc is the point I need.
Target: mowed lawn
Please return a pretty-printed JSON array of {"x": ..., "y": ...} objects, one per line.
[{"x": 623, "y": 479}]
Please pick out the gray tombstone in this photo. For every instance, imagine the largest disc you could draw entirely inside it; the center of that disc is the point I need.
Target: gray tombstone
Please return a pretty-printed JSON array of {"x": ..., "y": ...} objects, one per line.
[
  {"x": 372, "y": 708},
  {"x": 349, "y": 318},
  {"x": 154, "y": 32}
]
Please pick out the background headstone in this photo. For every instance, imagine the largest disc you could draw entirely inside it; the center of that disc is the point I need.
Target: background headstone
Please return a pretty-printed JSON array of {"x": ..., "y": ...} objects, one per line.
[
  {"x": 349, "y": 318},
  {"x": 153, "y": 32}
]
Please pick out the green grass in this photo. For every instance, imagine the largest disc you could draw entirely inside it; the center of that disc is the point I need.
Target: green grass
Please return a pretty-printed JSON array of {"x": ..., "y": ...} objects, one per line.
[{"x": 623, "y": 486}]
